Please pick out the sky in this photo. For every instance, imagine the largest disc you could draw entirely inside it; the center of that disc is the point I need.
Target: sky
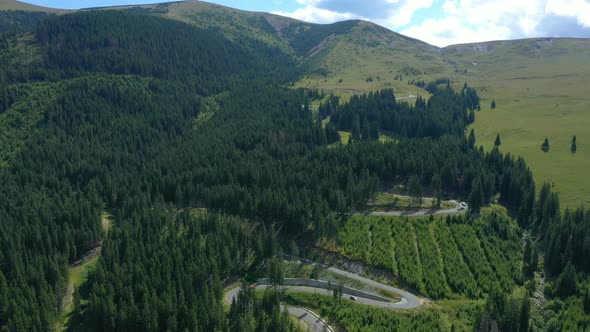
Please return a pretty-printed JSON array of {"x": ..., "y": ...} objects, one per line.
[{"x": 438, "y": 22}]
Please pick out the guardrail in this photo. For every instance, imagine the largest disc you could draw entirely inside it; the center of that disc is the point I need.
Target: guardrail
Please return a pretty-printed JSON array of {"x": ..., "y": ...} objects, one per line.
[{"x": 326, "y": 285}]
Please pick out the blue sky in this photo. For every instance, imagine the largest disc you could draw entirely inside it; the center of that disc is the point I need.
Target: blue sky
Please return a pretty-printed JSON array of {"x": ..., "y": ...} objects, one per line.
[{"x": 439, "y": 22}]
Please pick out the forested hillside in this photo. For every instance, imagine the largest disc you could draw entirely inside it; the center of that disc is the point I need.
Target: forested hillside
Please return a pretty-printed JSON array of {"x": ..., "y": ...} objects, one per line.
[{"x": 211, "y": 162}]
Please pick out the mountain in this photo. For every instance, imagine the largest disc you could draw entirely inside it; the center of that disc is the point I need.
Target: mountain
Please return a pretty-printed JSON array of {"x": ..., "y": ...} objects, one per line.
[
  {"x": 152, "y": 156},
  {"x": 539, "y": 84},
  {"x": 351, "y": 51}
]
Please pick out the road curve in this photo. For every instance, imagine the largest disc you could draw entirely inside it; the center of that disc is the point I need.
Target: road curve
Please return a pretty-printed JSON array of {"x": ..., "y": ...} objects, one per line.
[
  {"x": 420, "y": 213},
  {"x": 313, "y": 321},
  {"x": 312, "y": 290},
  {"x": 408, "y": 300}
]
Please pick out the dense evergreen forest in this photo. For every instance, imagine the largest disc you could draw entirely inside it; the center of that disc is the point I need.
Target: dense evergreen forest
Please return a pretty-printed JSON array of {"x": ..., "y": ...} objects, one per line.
[{"x": 155, "y": 120}]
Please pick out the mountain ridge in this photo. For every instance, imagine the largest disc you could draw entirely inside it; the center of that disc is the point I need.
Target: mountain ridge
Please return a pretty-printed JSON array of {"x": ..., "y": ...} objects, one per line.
[{"x": 22, "y": 5}]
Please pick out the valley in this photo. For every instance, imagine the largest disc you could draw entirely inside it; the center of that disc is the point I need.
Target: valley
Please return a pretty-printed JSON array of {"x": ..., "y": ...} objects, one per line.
[{"x": 234, "y": 148}]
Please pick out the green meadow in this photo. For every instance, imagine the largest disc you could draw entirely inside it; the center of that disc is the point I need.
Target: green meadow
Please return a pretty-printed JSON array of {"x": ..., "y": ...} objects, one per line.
[
  {"x": 539, "y": 86},
  {"x": 541, "y": 93}
]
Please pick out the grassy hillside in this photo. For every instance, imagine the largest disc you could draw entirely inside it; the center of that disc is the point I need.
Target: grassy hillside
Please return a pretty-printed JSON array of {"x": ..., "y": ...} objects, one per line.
[
  {"x": 235, "y": 24},
  {"x": 540, "y": 88},
  {"x": 370, "y": 57},
  {"x": 17, "y": 5}
]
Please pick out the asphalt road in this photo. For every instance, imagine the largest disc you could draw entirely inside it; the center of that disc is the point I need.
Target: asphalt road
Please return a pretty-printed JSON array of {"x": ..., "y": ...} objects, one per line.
[
  {"x": 408, "y": 300},
  {"x": 313, "y": 321},
  {"x": 346, "y": 296},
  {"x": 420, "y": 213}
]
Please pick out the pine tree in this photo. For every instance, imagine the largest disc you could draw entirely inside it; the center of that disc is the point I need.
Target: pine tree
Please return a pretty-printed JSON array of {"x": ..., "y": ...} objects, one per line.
[
  {"x": 436, "y": 184},
  {"x": 545, "y": 145},
  {"x": 497, "y": 142},
  {"x": 476, "y": 197},
  {"x": 567, "y": 284},
  {"x": 374, "y": 131},
  {"x": 471, "y": 139},
  {"x": 526, "y": 258},
  {"x": 415, "y": 191},
  {"x": 573, "y": 147},
  {"x": 525, "y": 314}
]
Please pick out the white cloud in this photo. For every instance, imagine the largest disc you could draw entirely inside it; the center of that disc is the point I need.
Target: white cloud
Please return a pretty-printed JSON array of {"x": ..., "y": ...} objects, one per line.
[
  {"x": 403, "y": 14},
  {"x": 578, "y": 9},
  {"x": 454, "y": 21},
  {"x": 393, "y": 13},
  {"x": 453, "y": 30},
  {"x": 309, "y": 2},
  {"x": 466, "y": 21},
  {"x": 310, "y": 13}
]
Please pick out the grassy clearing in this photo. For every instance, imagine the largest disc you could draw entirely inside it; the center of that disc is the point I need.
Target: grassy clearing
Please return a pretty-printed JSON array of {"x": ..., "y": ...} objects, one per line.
[
  {"x": 209, "y": 106},
  {"x": 384, "y": 138},
  {"x": 77, "y": 276},
  {"x": 344, "y": 136},
  {"x": 106, "y": 221},
  {"x": 495, "y": 208}
]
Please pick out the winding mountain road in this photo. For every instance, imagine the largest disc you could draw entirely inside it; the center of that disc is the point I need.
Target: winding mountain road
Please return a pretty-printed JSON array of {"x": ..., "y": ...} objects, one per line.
[
  {"x": 313, "y": 320},
  {"x": 420, "y": 213},
  {"x": 408, "y": 300}
]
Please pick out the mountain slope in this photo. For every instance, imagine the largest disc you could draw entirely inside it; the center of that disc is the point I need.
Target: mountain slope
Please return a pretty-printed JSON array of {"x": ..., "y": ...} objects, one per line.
[
  {"x": 540, "y": 88},
  {"x": 18, "y": 5},
  {"x": 538, "y": 84}
]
